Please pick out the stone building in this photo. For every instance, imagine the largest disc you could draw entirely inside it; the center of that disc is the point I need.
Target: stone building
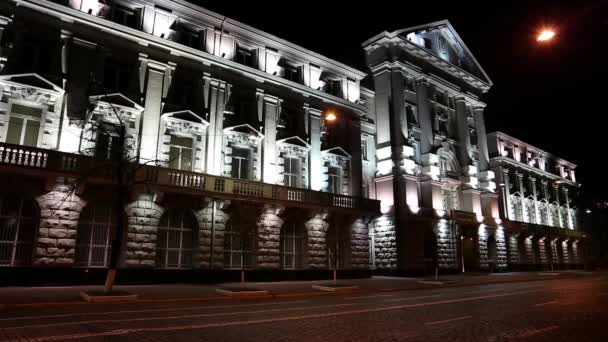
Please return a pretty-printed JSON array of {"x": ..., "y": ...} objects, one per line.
[{"x": 240, "y": 149}]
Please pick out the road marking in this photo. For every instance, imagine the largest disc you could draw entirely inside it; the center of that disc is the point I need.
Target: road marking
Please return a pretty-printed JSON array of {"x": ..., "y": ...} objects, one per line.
[
  {"x": 503, "y": 289},
  {"x": 410, "y": 298},
  {"x": 372, "y": 296},
  {"x": 262, "y": 321},
  {"x": 150, "y": 310},
  {"x": 547, "y": 303},
  {"x": 173, "y": 317},
  {"x": 449, "y": 320},
  {"x": 533, "y": 332}
]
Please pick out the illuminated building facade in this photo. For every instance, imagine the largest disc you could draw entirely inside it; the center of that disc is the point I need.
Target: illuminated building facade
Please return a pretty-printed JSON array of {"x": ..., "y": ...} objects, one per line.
[{"x": 232, "y": 159}]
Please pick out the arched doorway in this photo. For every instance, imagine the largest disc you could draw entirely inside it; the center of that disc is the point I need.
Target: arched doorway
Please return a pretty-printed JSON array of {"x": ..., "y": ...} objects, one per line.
[
  {"x": 95, "y": 228},
  {"x": 338, "y": 245},
  {"x": 293, "y": 245},
  {"x": 239, "y": 244},
  {"x": 18, "y": 225},
  {"x": 492, "y": 252},
  {"x": 469, "y": 254},
  {"x": 430, "y": 251},
  {"x": 176, "y": 237}
]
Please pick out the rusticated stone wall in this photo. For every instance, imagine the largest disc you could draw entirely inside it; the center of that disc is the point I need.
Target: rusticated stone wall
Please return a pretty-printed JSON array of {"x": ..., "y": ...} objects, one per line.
[
  {"x": 501, "y": 248},
  {"x": 514, "y": 255},
  {"x": 565, "y": 252},
  {"x": 212, "y": 226},
  {"x": 542, "y": 251},
  {"x": 482, "y": 248},
  {"x": 359, "y": 244},
  {"x": 528, "y": 251},
  {"x": 59, "y": 213},
  {"x": 385, "y": 242},
  {"x": 316, "y": 229},
  {"x": 576, "y": 257},
  {"x": 269, "y": 238},
  {"x": 446, "y": 246},
  {"x": 143, "y": 216}
]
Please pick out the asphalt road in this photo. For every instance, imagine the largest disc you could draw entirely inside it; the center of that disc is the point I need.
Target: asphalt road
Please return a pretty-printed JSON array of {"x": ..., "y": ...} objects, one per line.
[{"x": 551, "y": 310}]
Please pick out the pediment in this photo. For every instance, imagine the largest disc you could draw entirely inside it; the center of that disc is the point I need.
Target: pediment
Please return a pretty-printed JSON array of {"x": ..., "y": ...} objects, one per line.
[
  {"x": 244, "y": 129},
  {"x": 441, "y": 39},
  {"x": 186, "y": 115},
  {"x": 33, "y": 81},
  {"x": 295, "y": 140},
  {"x": 337, "y": 151},
  {"x": 117, "y": 99}
]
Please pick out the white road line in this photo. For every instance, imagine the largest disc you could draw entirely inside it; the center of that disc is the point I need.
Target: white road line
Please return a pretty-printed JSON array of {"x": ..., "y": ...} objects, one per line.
[
  {"x": 449, "y": 320},
  {"x": 260, "y": 321},
  {"x": 499, "y": 289},
  {"x": 172, "y": 317},
  {"x": 533, "y": 332},
  {"x": 372, "y": 296},
  {"x": 547, "y": 303},
  {"x": 149, "y": 310},
  {"x": 410, "y": 298}
]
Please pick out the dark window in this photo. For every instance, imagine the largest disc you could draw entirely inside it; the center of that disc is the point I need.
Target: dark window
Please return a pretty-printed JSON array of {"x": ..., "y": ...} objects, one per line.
[
  {"x": 291, "y": 172},
  {"x": 334, "y": 180},
  {"x": 245, "y": 56},
  {"x": 180, "y": 153},
  {"x": 126, "y": 16},
  {"x": 107, "y": 146},
  {"x": 293, "y": 73},
  {"x": 189, "y": 37},
  {"x": 117, "y": 76},
  {"x": 241, "y": 163}
]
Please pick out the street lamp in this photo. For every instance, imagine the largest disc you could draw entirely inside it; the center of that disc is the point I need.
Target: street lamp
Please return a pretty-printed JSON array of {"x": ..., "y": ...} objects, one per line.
[
  {"x": 545, "y": 35},
  {"x": 330, "y": 117}
]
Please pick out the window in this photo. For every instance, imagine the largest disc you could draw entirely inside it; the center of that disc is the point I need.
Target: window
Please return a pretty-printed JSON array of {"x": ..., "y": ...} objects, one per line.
[
  {"x": 364, "y": 149},
  {"x": 292, "y": 73},
  {"x": 338, "y": 246},
  {"x": 411, "y": 115},
  {"x": 18, "y": 224},
  {"x": 450, "y": 199},
  {"x": 292, "y": 246},
  {"x": 189, "y": 37},
  {"x": 107, "y": 146},
  {"x": 245, "y": 56},
  {"x": 24, "y": 125},
  {"x": 176, "y": 236},
  {"x": 291, "y": 173},
  {"x": 95, "y": 225},
  {"x": 410, "y": 85},
  {"x": 180, "y": 153},
  {"x": 117, "y": 76},
  {"x": 125, "y": 16},
  {"x": 334, "y": 180},
  {"x": 239, "y": 244},
  {"x": 241, "y": 161}
]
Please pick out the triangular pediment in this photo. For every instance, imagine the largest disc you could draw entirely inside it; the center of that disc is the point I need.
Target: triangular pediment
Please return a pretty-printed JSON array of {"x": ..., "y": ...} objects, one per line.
[
  {"x": 186, "y": 115},
  {"x": 244, "y": 128},
  {"x": 117, "y": 99},
  {"x": 295, "y": 140},
  {"x": 32, "y": 80},
  {"x": 441, "y": 39},
  {"x": 338, "y": 151}
]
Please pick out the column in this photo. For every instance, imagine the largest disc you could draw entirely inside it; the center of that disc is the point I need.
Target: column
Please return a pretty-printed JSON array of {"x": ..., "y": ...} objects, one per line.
[
  {"x": 359, "y": 244},
  {"x": 425, "y": 117},
  {"x": 314, "y": 134},
  {"x": 158, "y": 76},
  {"x": 143, "y": 216},
  {"x": 316, "y": 228},
  {"x": 356, "y": 166},
  {"x": 4, "y": 22},
  {"x": 482, "y": 140},
  {"x": 524, "y": 210},
  {"x": 216, "y": 94},
  {"x": 568, "y": 215},
  {"x": 269, "y": 237},
  {"x": 60, "y": 210},
  {"x": 400, "y": 126},
  {"x": 271, "y": 108},
  {"x": 212, "y": 218},
  {"x": 506, "y": 194},
  {"x": 535, "y": 198},
  {"x": 462, "y": 124},
  {"x": 548, "y": 219},
  {"x": 560, "y": 219},
  {"x": 501, "y": 248}
]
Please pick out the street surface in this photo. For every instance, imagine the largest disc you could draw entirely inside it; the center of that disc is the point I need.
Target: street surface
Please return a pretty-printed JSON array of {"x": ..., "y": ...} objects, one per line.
[{"x": 548, "y": 310}]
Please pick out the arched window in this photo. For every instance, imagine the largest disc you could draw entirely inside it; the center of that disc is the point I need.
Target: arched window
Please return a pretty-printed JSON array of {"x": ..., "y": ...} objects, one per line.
[
  {"x": 176, "y": 237},
  {"x": 239, "y": 245},
  {"x": 18, "y": 225},
  {"x": 95, "y": 226},
  {"x": 293, "y": 238}
]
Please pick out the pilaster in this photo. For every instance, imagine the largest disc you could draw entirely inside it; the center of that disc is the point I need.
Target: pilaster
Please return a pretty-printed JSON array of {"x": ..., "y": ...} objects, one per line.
[
  {"x": 316, "y": 228},
  {"x": 270, "y": 110},
  {"x": 359, "y": 244},
  {"x": 316, "y": 161},
  {"x": 212, "y": 218},
  {"x": 143, "y": 216}
]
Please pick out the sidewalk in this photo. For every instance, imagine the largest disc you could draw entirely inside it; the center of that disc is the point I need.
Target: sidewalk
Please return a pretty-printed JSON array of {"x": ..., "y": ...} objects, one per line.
[{"x": 43, "y": 296}]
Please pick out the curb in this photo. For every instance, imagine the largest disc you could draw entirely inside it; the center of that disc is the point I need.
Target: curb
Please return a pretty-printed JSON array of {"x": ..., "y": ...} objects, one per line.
[{"x": 285, "y": 295}]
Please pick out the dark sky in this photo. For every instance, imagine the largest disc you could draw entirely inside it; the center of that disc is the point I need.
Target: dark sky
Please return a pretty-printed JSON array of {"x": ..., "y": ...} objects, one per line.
[{"x": 553, "y": 96}]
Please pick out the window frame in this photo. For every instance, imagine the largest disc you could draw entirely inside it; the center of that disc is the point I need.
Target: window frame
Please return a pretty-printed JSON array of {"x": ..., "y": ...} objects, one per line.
[
  {"x": 180, "y": 149},
  {"x": 185, "y": 232},
  {"x": 296, "y": 175},
  {"x": 26, "y": 118},
  {"x": 331, "y": 180},
  {"x": 239, "y": 158},
  {"x": 110, "y": 227},
  {"x": 15, "y": 242}
]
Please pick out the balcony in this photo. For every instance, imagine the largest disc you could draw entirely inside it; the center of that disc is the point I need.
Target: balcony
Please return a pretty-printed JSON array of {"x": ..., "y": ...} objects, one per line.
[{"x": 40, "y": 162}]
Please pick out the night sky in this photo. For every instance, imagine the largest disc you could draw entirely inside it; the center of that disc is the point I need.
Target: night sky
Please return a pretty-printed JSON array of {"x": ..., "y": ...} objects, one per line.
[{"x": 552, "y": 96}]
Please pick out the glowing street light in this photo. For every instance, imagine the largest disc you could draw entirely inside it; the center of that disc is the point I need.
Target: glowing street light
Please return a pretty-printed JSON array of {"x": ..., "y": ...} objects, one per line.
[
  {"x": 545, "y": 35},
  {"x": 330, "y": 117}
]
